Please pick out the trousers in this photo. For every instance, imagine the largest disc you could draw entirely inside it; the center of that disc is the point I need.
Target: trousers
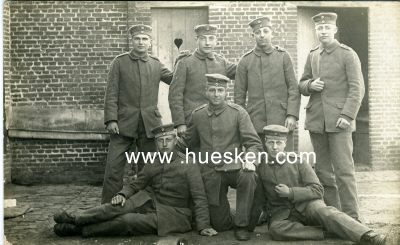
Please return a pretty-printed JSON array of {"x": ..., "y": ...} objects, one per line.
[
  {"x": 116, "y": 159},
  {"x": 108, "y": 220},
  {"x": 335, "y": 169},
  {"x": 245, "y": 184},
  {"x": 301, "y": 226}
]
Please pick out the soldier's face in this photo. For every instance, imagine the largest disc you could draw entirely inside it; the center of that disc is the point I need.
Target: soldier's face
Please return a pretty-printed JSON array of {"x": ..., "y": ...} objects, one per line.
[
  {"x": 206, "y": 43},
  {"x": 326, "y": 33},
  {"x": 141, "y": 43},
  {"x": 166, "y": 143},
  {"x": 274, "y": 146},
  {"x": 263, "y": 36},
  {"x": 216, "y": 95}
]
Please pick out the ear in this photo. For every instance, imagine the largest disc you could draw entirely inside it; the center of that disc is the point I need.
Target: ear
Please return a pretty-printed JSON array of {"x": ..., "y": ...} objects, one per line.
[{"x": 336, "y": 29}]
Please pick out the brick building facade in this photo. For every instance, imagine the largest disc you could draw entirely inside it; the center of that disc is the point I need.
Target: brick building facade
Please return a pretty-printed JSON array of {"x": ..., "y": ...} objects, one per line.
[{"x": 56, "y": 58}]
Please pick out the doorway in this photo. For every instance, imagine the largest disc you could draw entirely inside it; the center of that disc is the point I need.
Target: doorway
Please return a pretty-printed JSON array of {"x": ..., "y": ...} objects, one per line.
[
  {"x": 173, "y": 26},
  {"x": 353, "y": 31}
]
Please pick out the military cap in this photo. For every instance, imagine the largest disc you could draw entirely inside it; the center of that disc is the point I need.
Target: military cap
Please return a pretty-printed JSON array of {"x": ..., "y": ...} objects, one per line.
[
  {"x": 325, "y": 18},
  {"x": 217, "y": 80},
  {"x": 140, "y": 29},
  {"x": 205, "y": 29},
  {"x": 275, "y": 131},
  {"x": 260, "y": 23},
  {"x": 167, "y": 129}
]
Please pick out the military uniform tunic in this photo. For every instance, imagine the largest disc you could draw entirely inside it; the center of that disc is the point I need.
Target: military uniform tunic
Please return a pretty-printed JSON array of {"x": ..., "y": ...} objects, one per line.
[
  {"x": 158, "y": 201},
  {"x": 131, "y": 101},
  {"x": 223, "y": 130},
  {"x": 268, "y": 79},
  {"x": 340, "y": 69},
  {"x": 187, "y": 90},
  {"x": 291, "y": 216}
]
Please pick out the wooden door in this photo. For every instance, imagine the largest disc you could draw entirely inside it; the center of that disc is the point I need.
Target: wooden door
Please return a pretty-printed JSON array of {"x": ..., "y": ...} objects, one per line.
[{"x": 170, "y": 24}]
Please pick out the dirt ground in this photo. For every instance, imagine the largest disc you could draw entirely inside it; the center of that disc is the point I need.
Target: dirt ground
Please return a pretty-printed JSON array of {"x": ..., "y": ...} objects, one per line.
[{"x": 379, "y": 193}]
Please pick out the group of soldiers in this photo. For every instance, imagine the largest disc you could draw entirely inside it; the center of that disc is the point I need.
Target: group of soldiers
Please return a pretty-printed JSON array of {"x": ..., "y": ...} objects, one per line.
[{"x": 294, "y": 197}]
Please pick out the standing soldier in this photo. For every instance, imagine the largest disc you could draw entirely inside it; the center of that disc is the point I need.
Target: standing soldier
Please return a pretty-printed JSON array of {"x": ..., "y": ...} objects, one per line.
[
  {"x": 333, "y": 79},
  {"x": 130, "y": 109},
  {"x": 187, "y": 90},
  {"x": 221, "y": 127},
  {"x": 266, "y": 76},
  {"x": 294, "y": 197}
]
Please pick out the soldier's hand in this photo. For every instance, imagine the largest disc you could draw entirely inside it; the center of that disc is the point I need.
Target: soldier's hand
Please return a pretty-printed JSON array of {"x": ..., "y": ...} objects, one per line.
[
  {"x": 342, "y": 123},
  {"x": 290, "y": 123},
  {"x": 248, "y": 166},
  {"x": 182, "y": 54},
  {"x": 118, "y": 199},
  {"x": 208, "y": 232},
  {"x": 112, "y": 127},
  {"x": 317, "y": 85},
  {"x": 282, "y": 190},
  {"x": 181, "y": 130}
]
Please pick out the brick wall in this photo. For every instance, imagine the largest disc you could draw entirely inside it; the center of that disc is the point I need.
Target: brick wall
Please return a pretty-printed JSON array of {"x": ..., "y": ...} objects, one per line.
[
  {"x": 6, "y": 86},
  {"x": 60, "y": 53},
  {"x": 57, "y": 161},
  {"x": 384, "y": 93}
]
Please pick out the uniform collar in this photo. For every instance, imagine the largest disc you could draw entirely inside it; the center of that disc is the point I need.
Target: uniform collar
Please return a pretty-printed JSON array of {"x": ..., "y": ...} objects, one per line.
[
  {"x": 216, "y": 110},
  {"x": 330, "y": 48},
  {"x": 135, "y": 56},
  {"x": 202, "y": 56},
  {"x": 267, "y": 50}
]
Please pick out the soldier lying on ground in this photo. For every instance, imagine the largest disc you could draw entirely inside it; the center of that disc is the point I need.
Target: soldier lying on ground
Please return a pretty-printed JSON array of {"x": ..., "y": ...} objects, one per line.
[
  {"x": 294, "y": 199},
  {"x": 157, "y": 202}
]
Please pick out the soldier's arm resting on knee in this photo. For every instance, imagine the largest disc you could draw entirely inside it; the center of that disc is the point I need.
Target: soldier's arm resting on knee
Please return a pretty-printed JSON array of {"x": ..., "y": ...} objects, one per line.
[
  {"x": 140, "y": 183},
  {"x": 312, "y": 188}
]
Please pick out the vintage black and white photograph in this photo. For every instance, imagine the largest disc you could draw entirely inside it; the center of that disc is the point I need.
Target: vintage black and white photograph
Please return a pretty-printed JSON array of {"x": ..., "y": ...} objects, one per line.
[{"x": 200, "y": 122}]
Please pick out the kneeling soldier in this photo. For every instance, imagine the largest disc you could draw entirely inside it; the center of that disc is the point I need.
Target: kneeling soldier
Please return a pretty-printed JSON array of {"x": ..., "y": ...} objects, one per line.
[
  {"x": 221, "y": 127},
  {"x": 294, "y": 198},
  {"x": 157, "y": 202}
]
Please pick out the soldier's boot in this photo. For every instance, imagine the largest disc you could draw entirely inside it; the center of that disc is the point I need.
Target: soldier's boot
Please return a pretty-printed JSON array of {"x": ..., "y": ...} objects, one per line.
[
  {"x": 66, "y": 229},
  {"x": 64, "y": 217},
  {"x": 372, "y": 238},
  {"x": 242, "y": 234}
]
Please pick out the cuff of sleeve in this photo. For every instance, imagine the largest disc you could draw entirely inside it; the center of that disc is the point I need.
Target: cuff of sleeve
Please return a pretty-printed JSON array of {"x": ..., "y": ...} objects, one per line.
[
  {"x": 124, "y": 193},
  {"x": 310, "y": 91},
  {"x": 179, "y": 124},
  {"x": 108, "y": 121},
  {"x": 291, "y": 194},
  {"x": 346, "y": 117},
  {"x": 291, "y": 115}
]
